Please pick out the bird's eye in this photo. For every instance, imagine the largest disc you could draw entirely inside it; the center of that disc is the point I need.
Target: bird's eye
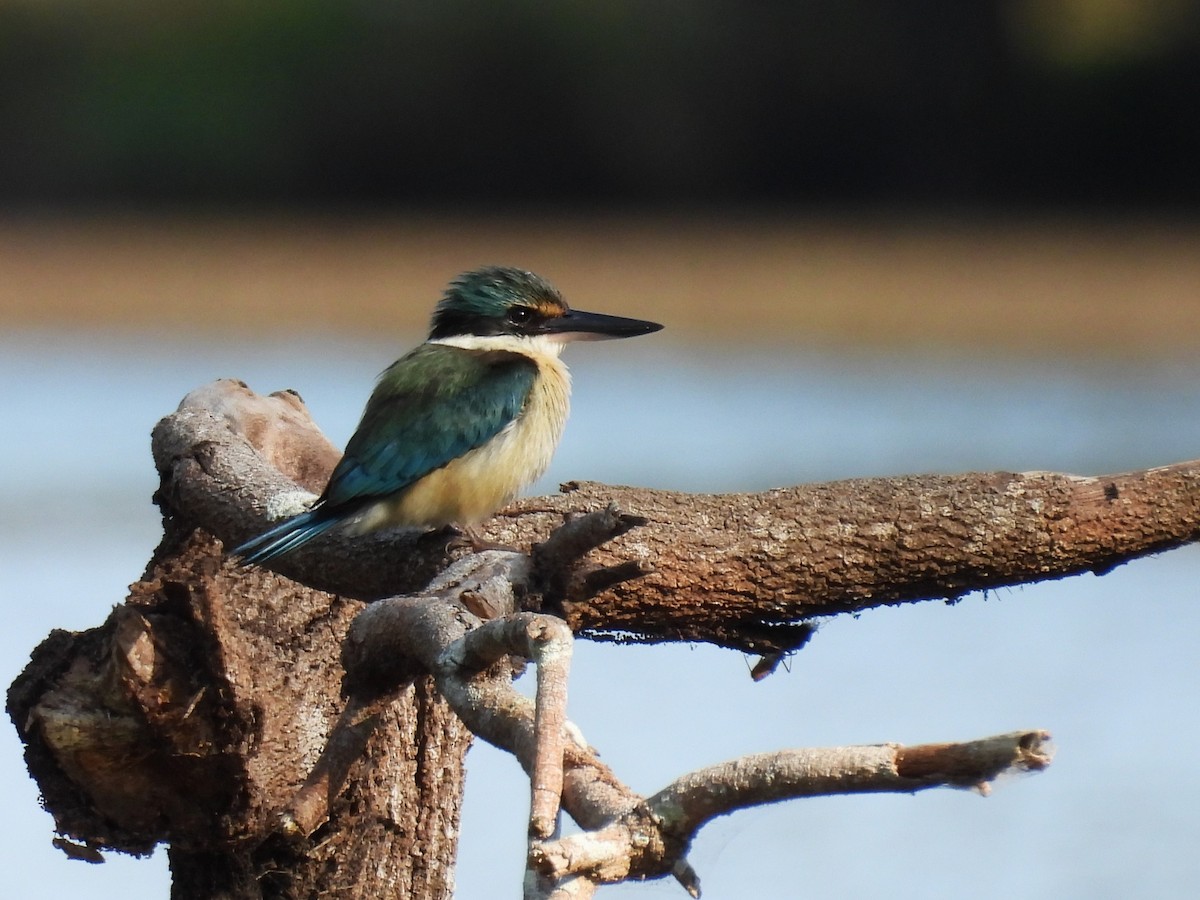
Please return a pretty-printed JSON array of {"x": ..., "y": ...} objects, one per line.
[{"x": 520, "y": 315}]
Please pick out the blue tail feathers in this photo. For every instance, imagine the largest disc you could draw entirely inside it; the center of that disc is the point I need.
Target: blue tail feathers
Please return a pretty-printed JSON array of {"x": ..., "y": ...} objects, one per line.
[{"x": 285, "y": 537}]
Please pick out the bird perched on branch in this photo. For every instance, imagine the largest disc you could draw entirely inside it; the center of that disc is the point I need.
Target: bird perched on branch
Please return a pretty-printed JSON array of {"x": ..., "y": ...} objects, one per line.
[{"x": 458, "y": 426}]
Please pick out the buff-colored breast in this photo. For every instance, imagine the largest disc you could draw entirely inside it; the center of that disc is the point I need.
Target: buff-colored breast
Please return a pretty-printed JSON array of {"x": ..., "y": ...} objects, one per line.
[{"x": 474, "y": 486}]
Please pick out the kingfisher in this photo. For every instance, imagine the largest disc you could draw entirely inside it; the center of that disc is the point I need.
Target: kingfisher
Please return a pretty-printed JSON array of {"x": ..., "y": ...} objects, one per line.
[{"x": 459, "y": 425}]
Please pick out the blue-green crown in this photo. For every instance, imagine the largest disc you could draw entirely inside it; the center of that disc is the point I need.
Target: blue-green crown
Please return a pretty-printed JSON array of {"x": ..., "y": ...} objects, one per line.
[{"x": 477, "y": 302}]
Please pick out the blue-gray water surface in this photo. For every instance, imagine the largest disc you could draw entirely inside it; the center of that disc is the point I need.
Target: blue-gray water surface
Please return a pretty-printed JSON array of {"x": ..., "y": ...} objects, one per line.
[{"x": 1107, "y": 664}]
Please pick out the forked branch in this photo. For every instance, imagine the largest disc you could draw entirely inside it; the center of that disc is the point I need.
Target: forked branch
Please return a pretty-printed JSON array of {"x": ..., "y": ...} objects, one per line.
[
  {"x": 625, "y": 835},
  {"x": 674, "y": 815}
]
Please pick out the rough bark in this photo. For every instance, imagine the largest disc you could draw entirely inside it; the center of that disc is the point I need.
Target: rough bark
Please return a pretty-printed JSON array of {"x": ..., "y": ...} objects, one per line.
[
  {"x": 199, "y": 712},
  {"x": 625, "y": 835},
  {"x": 739, "y": 570},
  {"x": 194, "y": 714}
]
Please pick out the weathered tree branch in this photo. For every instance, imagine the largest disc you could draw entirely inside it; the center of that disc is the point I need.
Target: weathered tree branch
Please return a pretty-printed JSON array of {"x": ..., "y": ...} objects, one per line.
[
  {"x": 739, "y": 570},
  {"x": 626, "y": 835},
  {"x": 676, "y": 813},
  {"x": 466, "y": 659},
  {"x": 439, "y": 632}
]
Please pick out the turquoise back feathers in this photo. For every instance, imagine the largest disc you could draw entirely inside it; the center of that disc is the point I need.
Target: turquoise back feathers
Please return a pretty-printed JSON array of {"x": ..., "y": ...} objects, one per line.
[{"x": 429, "y": 407}]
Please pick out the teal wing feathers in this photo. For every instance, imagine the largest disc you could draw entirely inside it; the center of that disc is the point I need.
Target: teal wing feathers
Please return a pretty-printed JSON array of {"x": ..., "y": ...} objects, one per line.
[{"x": 430, "y": 407}]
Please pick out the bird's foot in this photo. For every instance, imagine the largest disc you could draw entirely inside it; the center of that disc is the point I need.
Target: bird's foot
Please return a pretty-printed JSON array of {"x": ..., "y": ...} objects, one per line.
[
  {"x": 478, "y": 544},
  {"x": 467, "y": 537}
]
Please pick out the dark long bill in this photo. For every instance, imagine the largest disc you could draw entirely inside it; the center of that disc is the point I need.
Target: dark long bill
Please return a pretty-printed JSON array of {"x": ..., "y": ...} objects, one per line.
[{"x": 578, "y": 325}]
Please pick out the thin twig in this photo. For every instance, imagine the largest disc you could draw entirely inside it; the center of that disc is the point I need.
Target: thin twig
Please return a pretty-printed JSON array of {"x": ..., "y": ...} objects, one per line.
[
  {"x": 551, "y": 643},
  {"x": 652, "y": 839},
  {"x": 548, "y": 643}
]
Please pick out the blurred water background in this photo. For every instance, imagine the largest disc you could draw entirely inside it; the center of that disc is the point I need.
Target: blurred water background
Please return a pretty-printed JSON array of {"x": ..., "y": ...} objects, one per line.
[{"x": 885, "y": 237}]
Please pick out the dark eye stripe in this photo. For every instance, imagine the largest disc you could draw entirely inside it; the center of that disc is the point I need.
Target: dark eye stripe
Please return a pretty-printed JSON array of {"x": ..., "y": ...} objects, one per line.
[{"x": 519, "y": 315}]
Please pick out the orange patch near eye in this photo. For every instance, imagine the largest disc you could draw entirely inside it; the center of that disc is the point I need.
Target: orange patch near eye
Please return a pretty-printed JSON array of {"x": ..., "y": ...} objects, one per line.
[{"x": 551, "y": 309}]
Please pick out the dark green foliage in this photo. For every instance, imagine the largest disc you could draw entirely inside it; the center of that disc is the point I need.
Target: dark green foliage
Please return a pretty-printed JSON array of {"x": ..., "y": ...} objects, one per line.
[{"x": 478, "y": 101}]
